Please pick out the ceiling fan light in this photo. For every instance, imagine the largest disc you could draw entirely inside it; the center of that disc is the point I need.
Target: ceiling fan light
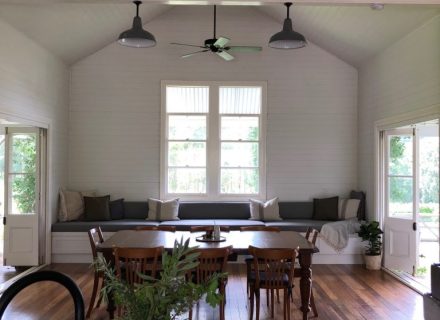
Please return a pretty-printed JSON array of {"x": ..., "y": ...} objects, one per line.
[
  {"x": 137, "y": 37},
  {"x": 287, "y": 38}
]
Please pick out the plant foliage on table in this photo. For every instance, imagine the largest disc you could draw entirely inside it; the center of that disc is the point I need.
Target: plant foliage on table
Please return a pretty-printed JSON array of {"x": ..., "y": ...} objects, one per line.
[
  {"x": 167, "y": 297},
  {"x": 370, "y": 231}
]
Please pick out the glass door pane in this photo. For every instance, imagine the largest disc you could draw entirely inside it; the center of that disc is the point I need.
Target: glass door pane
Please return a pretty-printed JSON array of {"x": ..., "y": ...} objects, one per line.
[
  {"x": 22, "y": 174},
  {"x": 400, "y": 176}
]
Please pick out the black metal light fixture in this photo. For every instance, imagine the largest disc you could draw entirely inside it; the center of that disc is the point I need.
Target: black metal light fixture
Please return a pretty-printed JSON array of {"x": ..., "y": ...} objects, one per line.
[
  {"x": 287, "y": 38},
  {"x": 136, "y": 36}
]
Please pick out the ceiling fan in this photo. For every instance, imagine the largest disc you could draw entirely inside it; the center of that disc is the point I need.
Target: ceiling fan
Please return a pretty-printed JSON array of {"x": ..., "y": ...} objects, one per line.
[{"x": 218, "y": 46}]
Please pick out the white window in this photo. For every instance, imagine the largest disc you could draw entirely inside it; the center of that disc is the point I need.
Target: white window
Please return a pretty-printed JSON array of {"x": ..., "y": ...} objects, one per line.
[{"x": 213, "y": 140}]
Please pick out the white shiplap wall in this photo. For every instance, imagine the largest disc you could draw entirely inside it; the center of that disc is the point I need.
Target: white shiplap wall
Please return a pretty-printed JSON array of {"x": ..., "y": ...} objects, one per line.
[
  {"x": 403, "y": 78},
  {"x": 34, "y": 85},
  {"x": 114, "y": 125}
]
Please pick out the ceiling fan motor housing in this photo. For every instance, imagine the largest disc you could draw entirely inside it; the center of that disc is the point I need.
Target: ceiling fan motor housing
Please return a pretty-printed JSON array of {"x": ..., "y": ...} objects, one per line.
[{"x": 209, "y": 43}]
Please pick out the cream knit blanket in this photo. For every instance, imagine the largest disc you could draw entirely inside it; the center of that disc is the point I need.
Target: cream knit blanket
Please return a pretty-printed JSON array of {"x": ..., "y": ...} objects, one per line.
[{"x": 336, "y": 234}]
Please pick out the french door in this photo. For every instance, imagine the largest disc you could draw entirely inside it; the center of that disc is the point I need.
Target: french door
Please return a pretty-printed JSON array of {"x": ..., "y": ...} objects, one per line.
[
  {"x": 22, "y": 196},
  {"x": 400, "y": 204}
]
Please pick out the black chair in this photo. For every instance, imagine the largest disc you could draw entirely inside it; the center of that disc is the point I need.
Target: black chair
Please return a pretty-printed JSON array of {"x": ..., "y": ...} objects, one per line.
[{"x": 45, "y": 275}]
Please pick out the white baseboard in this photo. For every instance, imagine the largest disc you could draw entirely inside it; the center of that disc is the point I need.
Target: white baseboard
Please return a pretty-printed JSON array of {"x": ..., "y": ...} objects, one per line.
[{"x": 74, "y": 247}]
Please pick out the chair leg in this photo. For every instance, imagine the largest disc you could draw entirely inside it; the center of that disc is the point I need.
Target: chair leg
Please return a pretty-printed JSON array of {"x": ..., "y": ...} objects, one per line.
[
  {"x": 190, "y": 314},
  {"x": 284, "y": 305},
  {"x": 267, "y": 297},
  {"x": 222, "y": 302},
  {"x": 252, "y": 294},
  {"x": 272, "y": 304},
  {"x": 312, "y": 304},
  {"x": 257, "y": 305},
  {"x": 287, "y": 301},
  {"x": 278, "y": 295},
  {"x": 93, "y": 297}
]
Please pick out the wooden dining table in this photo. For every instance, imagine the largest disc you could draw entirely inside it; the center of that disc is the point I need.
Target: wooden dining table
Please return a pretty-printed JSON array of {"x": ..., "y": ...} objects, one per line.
[{"x": 240, "y": 242}]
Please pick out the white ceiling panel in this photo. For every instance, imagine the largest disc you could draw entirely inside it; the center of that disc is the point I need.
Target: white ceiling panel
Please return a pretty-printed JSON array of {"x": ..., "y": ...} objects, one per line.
[
  {"x": 76, "y": 29},
  {"x": 354, "y": 32}
]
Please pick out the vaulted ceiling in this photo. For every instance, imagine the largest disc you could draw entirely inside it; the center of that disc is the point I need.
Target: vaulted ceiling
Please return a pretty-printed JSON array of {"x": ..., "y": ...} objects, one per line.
[{"x": 73, "y": 29}]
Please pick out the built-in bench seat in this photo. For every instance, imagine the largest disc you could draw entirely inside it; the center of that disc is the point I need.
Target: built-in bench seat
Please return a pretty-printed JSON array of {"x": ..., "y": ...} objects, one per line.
[{"x": 70, "y": 242}]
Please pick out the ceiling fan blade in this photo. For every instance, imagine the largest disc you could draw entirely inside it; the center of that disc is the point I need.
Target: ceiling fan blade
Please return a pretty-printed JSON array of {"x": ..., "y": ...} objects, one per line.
[
  {"x": 188, "y": 45},
  {"x": 193, "y": 53},
  {"x": 244, "y": 48},
  {"x": 221, "y": 42},
  {"x": 225, "y": 55}
]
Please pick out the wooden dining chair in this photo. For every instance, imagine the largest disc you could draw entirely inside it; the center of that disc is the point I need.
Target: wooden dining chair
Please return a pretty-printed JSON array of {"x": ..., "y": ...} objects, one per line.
[
  {"x": 249, "y": 258},
  {"x": 159, "y": 228},
  {"x": 135, "y": 261},
  {"x": 96, "y": 238},
  {"x": 311, "y": 236},
  {"x": 208, "y": 228},
  {"x": 211, "y": 261},
  {"x": 272, "y": 271}
]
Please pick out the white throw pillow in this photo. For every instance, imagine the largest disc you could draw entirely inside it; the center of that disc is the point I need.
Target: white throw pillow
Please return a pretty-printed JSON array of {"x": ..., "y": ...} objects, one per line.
[
  {"x": 265, "y": 211},
  {"x": 72, "y": 204},
  {"x": 348, "y": 208},
  {"x": 161, "y": 210}
]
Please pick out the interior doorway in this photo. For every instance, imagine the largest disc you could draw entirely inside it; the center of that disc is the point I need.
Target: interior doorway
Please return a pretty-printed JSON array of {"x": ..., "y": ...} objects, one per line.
[
  {"x": 410, "y": 201},
  {"x": 22, "y": 198}
]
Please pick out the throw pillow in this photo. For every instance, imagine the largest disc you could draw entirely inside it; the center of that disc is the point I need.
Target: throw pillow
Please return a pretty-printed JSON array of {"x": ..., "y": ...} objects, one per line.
[
  {"x": 265, "y": 211},
  {"x": 162, "y": 210},
  {"x": 97, "y": 208},
  {"x": 326, "y": 209},
  {"x": 71, "y": 206},
  {"x": 348, "y": 208},
  {"x": 117, "y": 209}
]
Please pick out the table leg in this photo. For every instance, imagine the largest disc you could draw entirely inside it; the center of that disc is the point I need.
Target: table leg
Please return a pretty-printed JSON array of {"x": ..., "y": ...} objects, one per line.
[
  {"x": 305, "y": 260},
  {"x": 108, "y": 255}
]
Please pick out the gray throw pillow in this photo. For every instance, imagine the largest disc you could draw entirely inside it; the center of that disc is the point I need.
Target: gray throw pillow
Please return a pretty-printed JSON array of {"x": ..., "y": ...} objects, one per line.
[
  {"x": 97, "y": 208},
  {"x": 326, "y": 209}
]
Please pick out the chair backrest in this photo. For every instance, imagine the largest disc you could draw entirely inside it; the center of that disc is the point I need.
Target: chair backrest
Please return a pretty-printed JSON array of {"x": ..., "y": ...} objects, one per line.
[
  {"x": 44, "y": 275},
  {"x": 131, "y": 261},
  {"x": 311, "y": 235},
  {"x": 96, "y": 238},
  {"x": 273, "y": 267},
  {"x": 208, "y": 228},
  {"x": 212, "y": 260},
  {"x": 260, "y": 228}
]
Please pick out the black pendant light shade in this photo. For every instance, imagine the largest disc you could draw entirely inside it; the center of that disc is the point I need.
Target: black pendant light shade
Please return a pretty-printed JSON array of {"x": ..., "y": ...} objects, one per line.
[
  {"x": 287, "y": 38},
  {"x": 136, "y": 36}
]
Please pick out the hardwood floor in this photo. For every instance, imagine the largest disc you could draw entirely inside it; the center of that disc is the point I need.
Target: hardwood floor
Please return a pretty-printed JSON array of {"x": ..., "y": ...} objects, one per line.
[{"x": 341, "y": 292}]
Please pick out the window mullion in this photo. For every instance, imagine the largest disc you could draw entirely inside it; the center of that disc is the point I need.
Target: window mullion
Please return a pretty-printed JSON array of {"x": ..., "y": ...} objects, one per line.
[{"x": 213, "y": 144}]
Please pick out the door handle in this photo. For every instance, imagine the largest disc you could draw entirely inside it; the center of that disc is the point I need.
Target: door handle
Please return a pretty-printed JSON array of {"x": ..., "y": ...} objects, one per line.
[
  {"x": 4, "y": 221},
  {"x": 415, "y": 226}
]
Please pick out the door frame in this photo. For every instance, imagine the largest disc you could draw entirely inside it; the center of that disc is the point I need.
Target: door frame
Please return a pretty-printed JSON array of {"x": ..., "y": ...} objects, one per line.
[
  {"x": 45, "y": 220},
  {"x": 405, "y": 119}
]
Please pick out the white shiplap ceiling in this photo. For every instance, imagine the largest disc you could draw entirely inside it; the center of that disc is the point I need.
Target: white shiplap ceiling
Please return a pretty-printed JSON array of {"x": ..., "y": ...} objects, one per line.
[{"x": 74, "y": 30}]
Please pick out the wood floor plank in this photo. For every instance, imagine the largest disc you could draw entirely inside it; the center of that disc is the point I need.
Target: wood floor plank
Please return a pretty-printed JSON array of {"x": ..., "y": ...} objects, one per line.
[{"x": 345, "y": 292}]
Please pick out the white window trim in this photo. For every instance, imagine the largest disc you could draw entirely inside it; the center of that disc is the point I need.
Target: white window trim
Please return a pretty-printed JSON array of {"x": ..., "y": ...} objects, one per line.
[{"x": 213, "y": 154}]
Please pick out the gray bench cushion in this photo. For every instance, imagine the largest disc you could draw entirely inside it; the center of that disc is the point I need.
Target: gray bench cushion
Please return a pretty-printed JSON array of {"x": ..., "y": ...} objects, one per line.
[
  {"x": 109, "y": 226},
  {"x": 214, "y": 210},
  {"x": 296, "y": 210},
  {"x": 234, "y": 224},
  {"x": 299, "y": 225}
]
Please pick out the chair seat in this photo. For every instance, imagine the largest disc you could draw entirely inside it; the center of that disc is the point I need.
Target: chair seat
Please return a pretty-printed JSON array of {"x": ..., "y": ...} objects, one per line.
[{"x": 263, "y": 276}]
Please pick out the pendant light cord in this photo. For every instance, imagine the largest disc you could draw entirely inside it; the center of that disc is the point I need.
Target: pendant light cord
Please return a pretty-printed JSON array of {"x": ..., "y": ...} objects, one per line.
[
  {"x": 137, "y": 3},
  {"x": 288, "y": 4}
]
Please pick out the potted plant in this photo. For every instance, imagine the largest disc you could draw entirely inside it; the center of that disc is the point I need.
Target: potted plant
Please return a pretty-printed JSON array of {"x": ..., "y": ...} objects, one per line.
[
  {"x": 165, "y": 298},
  {"x": 371, "y": 232}
]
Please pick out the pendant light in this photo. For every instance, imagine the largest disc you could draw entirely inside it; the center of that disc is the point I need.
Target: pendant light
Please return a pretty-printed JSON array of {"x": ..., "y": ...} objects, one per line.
[
  {"x": 287, "y": 38},
  {"x": 136, "y": 36}
]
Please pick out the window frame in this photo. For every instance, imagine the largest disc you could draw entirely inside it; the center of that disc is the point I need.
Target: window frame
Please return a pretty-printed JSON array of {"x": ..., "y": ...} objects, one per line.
[{"x": 213, "y": 142}]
